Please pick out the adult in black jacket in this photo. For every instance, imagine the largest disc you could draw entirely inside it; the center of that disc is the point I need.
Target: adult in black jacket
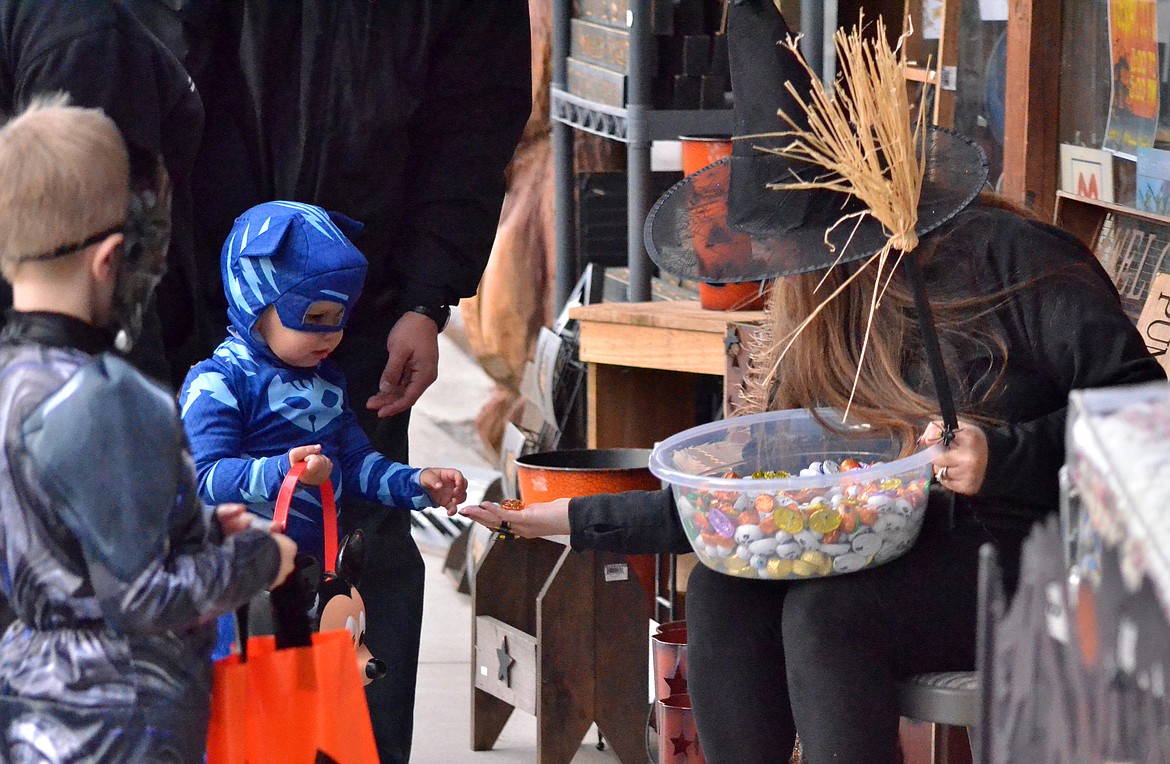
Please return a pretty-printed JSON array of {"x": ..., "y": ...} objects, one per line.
[
  {"x": 101, "y": 54},
  {"x": 1024, "y": 313},
  {"x": 403, "y": 116}
]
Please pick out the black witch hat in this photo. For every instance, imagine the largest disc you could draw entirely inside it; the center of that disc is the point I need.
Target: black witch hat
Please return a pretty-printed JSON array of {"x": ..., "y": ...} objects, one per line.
[{"x": 724, "y": 224}]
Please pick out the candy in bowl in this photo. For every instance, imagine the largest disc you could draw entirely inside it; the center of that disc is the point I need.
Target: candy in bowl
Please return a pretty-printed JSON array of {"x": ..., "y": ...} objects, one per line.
[{"x": 782, "y": 496}]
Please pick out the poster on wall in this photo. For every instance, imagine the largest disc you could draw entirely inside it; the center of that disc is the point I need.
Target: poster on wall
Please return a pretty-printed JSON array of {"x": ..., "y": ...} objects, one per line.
[{"x": 1133, "y": 105}]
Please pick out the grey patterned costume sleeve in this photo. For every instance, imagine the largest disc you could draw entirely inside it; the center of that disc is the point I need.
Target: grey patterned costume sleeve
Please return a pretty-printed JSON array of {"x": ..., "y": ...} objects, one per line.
[{"x": 108, "y": 564}]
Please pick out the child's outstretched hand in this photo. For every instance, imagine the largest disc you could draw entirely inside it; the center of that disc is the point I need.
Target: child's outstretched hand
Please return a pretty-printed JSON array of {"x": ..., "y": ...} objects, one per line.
[
  {"x": 446, "y": 486},
  {"x": 317, "y": 465}
]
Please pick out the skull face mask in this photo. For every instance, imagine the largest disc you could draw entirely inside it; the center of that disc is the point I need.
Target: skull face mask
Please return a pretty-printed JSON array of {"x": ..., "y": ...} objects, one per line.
[{"x": 147, "y": 234}]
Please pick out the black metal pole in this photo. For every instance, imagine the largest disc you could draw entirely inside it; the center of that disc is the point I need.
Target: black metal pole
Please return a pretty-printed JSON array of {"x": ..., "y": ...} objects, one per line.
[
  {"x": 938, "y": 372},
  {"x": 812, "y": 29},
  {"x": 565, "y": 277},
  {"x": 638, "y": 148}
]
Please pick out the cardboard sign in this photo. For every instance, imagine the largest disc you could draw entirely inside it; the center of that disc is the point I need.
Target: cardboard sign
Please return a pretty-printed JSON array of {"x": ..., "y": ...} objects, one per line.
[{"x": 1154, "y": 323}]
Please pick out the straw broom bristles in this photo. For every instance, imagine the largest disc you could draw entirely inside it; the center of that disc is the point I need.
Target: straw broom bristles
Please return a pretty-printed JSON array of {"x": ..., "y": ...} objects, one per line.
[{"x": 863, "y": 137}]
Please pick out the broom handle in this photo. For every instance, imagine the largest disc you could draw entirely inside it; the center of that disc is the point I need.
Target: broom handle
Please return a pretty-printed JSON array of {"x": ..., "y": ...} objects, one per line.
[
  {"x": 328, "y": 511},
  {"x": 938, "y": 372}
]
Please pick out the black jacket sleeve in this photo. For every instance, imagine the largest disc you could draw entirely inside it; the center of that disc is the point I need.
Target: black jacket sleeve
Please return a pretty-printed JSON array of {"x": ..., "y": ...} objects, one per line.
[
  {"x": 634, "y": 522},
  {"x": 476, "y": 100},
  {"x": 1074, "y": 334}
]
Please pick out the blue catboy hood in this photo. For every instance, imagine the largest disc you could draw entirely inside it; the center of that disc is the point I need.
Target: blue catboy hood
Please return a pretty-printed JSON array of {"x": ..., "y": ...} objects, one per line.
[{"x": 290, "y": 255}]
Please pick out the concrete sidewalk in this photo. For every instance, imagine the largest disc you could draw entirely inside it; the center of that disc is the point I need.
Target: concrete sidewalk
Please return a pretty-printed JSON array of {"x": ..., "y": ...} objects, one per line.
[{"x": 442, "y": 433}]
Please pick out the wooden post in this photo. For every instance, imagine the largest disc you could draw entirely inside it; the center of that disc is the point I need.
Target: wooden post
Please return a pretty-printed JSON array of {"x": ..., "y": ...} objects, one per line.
[{"x": 1033, "y": 97}]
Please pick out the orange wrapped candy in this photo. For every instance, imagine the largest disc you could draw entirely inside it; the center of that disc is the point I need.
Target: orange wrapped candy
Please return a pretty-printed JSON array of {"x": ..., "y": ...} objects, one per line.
[{"x": 512, "y": 505}]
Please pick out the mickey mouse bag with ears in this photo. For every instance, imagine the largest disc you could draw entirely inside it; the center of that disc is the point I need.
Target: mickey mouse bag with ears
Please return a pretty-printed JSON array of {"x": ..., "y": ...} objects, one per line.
[{"x": 297, "y": 696}]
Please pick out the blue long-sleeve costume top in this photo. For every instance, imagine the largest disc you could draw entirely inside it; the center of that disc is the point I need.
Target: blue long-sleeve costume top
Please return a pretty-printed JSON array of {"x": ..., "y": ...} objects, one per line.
[{"x": 243, "y": 408}]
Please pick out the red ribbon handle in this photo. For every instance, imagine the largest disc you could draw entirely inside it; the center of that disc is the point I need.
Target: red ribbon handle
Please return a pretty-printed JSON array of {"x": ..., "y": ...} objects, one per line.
[{"x": 328, "y": 511}]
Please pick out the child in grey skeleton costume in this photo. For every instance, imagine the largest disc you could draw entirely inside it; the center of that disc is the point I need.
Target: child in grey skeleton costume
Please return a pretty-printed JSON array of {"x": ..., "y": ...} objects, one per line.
[{"x": 114, "y": 570}]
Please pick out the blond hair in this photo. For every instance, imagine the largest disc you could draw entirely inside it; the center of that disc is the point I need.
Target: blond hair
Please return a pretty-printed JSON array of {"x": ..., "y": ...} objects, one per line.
[{"x": 64, "y": 176}]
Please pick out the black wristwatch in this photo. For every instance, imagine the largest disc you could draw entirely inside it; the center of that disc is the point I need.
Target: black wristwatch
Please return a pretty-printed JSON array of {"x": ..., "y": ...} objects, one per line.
[{"x": 440, "y": 314}]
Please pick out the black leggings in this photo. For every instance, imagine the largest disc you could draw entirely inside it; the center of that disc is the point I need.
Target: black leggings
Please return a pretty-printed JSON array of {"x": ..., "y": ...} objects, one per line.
[{"x": 767, "y": 658}]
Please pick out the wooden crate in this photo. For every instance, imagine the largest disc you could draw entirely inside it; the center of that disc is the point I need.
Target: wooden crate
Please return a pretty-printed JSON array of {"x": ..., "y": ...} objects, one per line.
[
  {"x": 596, "y": 84},
  {"x": 608, "y": 12},
  {"x": 604, "y": 46},
  {"x": 615, "y": 13}
]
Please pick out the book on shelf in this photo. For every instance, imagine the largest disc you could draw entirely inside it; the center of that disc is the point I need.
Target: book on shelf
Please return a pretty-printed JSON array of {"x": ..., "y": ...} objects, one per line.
[{"x": 1153, "y": 181}]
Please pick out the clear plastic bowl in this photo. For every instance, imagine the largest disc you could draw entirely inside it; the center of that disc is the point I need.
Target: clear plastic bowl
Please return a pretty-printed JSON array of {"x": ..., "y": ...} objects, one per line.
[{"x": 796, "y": 527}]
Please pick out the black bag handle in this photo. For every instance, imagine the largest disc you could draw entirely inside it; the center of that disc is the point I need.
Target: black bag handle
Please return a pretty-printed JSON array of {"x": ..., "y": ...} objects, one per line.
[{"x": 290, "y": 604}]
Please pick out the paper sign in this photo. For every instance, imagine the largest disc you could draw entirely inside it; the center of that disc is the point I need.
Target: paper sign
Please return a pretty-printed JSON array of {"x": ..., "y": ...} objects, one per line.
[
  {"x": 1086, "y": 172},
  {"x": 1154, "y": 323}
]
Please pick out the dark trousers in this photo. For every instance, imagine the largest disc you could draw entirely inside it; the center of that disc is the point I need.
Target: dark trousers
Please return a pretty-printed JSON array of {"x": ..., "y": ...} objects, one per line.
[
  {"x": 392, "y": 582},
  {"x": 822, "y": 656}
]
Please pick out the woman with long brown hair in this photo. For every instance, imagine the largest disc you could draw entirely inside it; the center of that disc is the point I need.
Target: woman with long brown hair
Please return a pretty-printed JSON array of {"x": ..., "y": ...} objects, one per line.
[{"x": 1024, "y": 314}]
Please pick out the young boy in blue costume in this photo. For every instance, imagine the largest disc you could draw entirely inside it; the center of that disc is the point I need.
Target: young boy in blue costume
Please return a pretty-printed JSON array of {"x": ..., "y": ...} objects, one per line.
[{"x": 270, "y": 397}]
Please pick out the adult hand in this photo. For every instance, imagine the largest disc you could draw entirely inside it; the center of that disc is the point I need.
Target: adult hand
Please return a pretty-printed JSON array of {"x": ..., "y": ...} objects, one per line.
[
  {"x": 534, "y": 521},
  {"x": 318, "y": 467},
  {"x": 962, "y": 467},
  {"x": 413, "y": 364},
  {"x": 288, "y": 553},
  {"x": 233, "y": 519},
  {"x": 447, "y": 487}
]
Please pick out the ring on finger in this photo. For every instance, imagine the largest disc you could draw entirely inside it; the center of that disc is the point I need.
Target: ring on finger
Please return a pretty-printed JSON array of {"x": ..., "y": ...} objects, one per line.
[{"x": 941, "y": 475}]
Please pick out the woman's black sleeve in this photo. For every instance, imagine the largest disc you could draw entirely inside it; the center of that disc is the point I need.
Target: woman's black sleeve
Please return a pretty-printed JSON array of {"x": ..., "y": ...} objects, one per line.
[{"x": 634, "y": 522}]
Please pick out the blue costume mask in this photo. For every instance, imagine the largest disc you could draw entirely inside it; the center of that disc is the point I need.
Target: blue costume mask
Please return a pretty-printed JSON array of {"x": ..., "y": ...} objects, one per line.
[{"x": 290, "y": 255}]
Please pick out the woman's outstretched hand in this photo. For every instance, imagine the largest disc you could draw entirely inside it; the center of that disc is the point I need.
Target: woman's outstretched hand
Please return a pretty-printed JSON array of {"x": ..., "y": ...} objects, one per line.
[
  {"x": 962, "y": 467},
  {"x": 534, "y": 521}
]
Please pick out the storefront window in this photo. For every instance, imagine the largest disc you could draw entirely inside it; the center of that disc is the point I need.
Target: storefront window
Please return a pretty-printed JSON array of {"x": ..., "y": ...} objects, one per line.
[
  {"x": 1115, "y": 140},
  {"x": 981, "y": 77},
  {"x": 973, "y": 65},
  {"x": 1115, "y": 98}
]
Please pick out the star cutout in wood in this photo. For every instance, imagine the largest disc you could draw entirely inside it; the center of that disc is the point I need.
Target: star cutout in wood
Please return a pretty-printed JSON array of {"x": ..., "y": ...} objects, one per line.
[
  {"x": 678, "y": 682},
  {"x": 504, "y": 673},
  {"x": 681, "y": 744}
]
